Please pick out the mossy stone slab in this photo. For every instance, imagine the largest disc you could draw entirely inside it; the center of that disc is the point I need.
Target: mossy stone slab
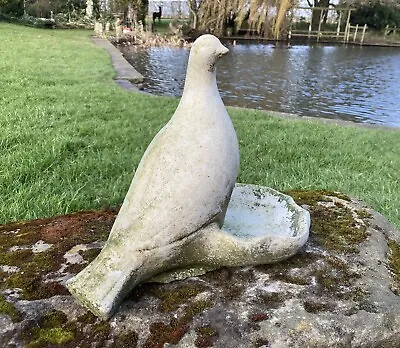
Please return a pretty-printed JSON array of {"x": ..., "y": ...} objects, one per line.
[{"x": 340, "y": 290}]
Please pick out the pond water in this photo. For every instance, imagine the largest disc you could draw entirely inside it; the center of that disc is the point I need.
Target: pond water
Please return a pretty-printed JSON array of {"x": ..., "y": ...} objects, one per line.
[{"x": 354, "y": 83}]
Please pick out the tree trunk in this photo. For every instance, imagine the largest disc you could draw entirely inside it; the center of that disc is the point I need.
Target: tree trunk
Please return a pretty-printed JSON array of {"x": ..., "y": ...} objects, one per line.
[
  {"x": 316, "y": 16},
  {"x": 193, "y": 17}
]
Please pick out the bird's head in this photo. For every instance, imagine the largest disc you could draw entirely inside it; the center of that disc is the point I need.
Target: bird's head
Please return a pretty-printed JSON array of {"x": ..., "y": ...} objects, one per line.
[{"x": 206, "y": 51}]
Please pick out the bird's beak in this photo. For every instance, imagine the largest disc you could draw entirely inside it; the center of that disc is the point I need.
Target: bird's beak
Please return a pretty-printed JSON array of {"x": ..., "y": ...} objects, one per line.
[{"x": 222, "y": 51}]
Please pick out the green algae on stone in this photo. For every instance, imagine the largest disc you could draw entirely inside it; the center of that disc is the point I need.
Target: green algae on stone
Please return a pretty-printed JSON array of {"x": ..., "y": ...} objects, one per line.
[
  {"x": 394, "y": 265},
  {"x": 9, "y": 309}
]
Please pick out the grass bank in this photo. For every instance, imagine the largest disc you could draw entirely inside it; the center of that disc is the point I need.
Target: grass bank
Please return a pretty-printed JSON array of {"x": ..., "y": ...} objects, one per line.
[{"x": 70, "y": 138}]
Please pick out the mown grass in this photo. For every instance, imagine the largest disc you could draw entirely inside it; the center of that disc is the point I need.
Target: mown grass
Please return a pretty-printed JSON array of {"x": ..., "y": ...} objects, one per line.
[
  {"x": 70, "y": 138},
  {"x": 162, "y": 26}
]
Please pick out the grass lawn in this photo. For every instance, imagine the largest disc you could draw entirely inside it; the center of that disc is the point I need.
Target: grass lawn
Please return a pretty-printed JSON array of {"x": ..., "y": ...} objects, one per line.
[
  {"x": 162, "y": 26},
  {"x": 70, "y": 138}
]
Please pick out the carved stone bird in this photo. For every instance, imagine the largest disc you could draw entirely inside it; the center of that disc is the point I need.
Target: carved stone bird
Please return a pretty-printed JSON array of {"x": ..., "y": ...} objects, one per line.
[{"x": 182, "y": 185}]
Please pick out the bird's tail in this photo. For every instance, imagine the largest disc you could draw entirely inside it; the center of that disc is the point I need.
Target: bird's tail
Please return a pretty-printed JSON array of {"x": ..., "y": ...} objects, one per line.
[{"x": 104, "y": 283}]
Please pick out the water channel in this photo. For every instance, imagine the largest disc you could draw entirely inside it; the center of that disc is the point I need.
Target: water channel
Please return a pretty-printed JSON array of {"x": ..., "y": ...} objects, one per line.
[{"x": 354, "y": 83}]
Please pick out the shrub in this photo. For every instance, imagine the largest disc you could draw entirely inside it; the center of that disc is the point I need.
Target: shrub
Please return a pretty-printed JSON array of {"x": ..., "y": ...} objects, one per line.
[{"x": 376, "y": 16}]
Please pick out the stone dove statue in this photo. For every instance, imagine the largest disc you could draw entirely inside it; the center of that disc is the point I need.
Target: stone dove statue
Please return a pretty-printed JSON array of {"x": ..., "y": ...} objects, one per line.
[{"x": 182, "y": 185}]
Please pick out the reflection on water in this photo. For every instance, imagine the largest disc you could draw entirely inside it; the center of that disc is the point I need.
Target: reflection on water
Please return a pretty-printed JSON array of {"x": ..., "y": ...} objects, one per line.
[{"x": 354, "y": 83}]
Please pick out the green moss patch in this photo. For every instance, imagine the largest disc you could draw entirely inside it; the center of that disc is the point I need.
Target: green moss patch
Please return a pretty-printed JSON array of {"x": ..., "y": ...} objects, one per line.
[
  {"x": 57, "y": 335},
  {"x": 234, "y": 282},
  {"x": 172, "y": 299},
  {"x": 9, "y": 309},
  {"x": 90, "y": 254},
  {"x": 394, "y": 265},
  {"x": 50, "y": 329},
  {"x": 54, "y": 328},
  {"x": 161, "y": 333},
  {"x": 334, "y": 228},
  {"x": 313, "y": 197}
]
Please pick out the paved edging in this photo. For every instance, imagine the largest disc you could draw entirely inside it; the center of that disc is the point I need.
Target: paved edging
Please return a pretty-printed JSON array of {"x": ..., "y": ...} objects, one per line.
[
  {"x": 332, "y": 121},
  {"x": 124, "y": 71}
]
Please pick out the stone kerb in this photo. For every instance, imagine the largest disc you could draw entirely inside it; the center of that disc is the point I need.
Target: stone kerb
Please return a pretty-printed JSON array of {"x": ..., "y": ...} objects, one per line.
[{"x": 125, "y": 73}]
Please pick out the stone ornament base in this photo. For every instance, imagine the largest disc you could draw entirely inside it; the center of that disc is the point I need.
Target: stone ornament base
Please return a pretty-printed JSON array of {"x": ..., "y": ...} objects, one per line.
[
  {"x": 262, "y": 226},
  {"x": 340, "y": 290}
]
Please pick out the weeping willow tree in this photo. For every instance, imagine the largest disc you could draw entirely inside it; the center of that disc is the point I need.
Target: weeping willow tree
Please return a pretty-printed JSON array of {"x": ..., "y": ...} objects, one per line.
[{"x": 266, "y": 17}]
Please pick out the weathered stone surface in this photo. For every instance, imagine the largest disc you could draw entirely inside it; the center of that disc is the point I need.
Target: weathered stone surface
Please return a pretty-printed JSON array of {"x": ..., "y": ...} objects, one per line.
[
  {"x": 341, "y": 290},
  {"x": 179, "y": 193}
]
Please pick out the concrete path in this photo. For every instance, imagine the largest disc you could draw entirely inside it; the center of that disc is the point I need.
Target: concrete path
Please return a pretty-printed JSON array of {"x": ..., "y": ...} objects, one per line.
[{"x": 125, "y": 73}]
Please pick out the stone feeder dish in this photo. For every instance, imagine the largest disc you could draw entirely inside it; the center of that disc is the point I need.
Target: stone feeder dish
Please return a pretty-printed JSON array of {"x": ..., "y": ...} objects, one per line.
[{"x": 262, "y": 226}]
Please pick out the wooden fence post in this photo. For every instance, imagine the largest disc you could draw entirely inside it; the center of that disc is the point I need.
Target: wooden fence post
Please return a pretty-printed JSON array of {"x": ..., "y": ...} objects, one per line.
[
  {"x": 355, "y": 34},
  {"x": 338, "y": 26},
  {"x": 363, "y": 34},
  {"x": 347, "y": 30},
  {"x": 319, "y": 25}
]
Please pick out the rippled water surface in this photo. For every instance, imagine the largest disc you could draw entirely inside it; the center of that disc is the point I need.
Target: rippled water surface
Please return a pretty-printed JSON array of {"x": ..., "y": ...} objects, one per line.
[{"x": 354, "y": 83}]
